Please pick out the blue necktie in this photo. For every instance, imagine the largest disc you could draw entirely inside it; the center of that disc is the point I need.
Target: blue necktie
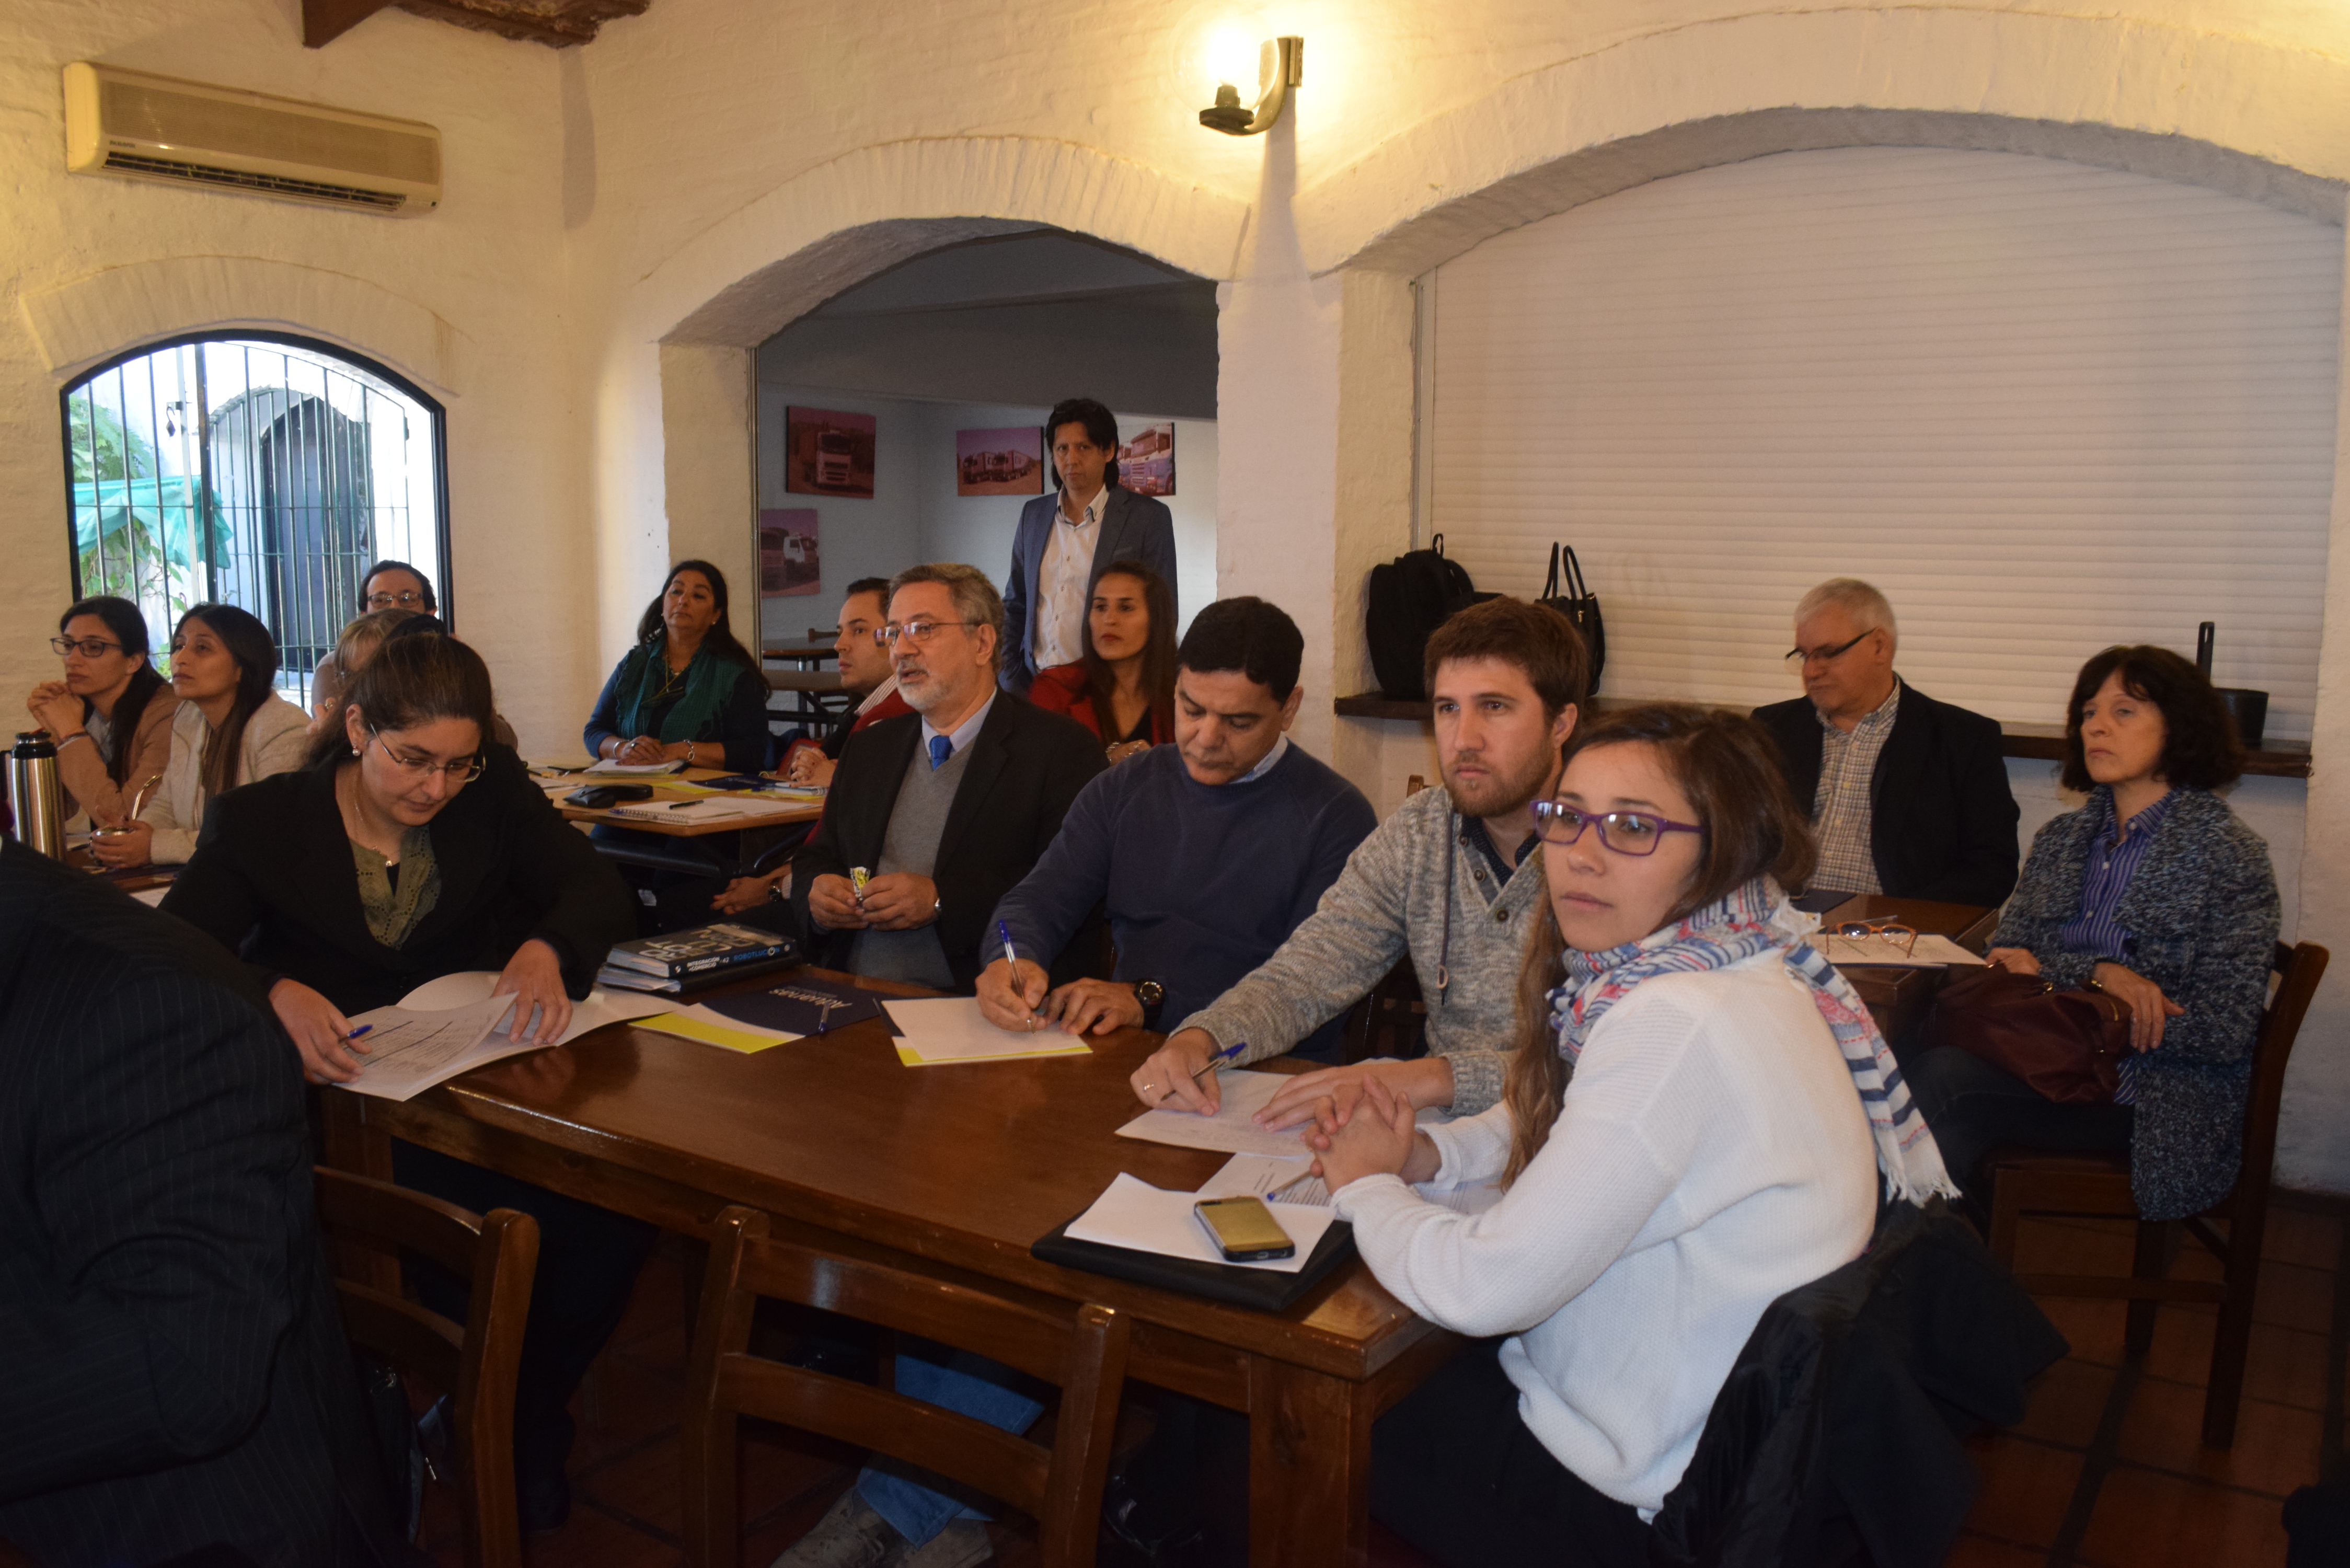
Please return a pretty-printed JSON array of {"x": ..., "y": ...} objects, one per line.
[{"x": 940, "y": 750}]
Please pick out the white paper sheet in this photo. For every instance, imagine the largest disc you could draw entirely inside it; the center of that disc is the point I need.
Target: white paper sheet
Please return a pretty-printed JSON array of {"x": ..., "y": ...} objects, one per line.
[
  {"x": 709, "y": 808},
  {"x": 152, "y": 897},
  {"x": 608, "y": 766},
  {"x": 409, "y": 1050},
  {"x": 1132, "y": 1213},
  {"x": 952, "y": 1029},
  {"x": 1930, "y": 951},
  {"x": 1244, "y": 1094},
  {"x": 1260, "y": 1174},
  {"x": 468, "y": 988}
]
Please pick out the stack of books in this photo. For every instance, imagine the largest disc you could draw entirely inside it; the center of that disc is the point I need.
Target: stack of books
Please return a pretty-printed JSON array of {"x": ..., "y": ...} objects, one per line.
[{"x": 693, "y": 959}]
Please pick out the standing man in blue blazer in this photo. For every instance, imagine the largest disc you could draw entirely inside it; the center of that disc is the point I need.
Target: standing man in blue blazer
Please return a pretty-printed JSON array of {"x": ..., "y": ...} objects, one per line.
[{"x": 1067, "y": 539}]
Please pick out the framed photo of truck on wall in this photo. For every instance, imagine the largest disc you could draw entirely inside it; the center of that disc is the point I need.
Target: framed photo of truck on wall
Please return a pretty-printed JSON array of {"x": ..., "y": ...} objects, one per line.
[{"x": 827, "y": 452}]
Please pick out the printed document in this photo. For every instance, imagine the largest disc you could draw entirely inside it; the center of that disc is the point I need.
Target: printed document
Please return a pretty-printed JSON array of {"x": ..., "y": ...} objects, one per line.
[
  {"x": 1138, "y": 1216},
  {"x": 1244, "y": 1093},
  {"x": 1928, "y": 951}
]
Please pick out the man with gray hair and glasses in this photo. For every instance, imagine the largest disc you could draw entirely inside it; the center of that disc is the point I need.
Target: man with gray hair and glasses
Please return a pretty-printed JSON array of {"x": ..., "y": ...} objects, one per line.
[
  {"x": 935, "y": 815},
  {"x": 1908, "y": 795}
]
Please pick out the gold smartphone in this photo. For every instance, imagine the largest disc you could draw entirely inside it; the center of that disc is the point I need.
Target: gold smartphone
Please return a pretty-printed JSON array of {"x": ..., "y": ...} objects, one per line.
[{"x": 1244, "y": 1229}]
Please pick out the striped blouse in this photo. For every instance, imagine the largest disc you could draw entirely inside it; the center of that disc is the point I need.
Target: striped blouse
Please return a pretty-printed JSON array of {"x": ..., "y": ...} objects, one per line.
[{"x": 2116, "y": 850}]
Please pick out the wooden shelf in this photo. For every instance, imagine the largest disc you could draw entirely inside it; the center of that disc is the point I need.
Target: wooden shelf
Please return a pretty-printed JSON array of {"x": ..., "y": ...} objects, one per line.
[{"x": 2277, "y": 759}]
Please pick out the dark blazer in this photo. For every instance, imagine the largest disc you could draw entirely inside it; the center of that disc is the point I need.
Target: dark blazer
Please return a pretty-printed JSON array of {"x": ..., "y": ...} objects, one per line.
[
  {"x": 174, "y": 1362},
  {"x": 272, "y": 880},
  {"x": 1133, "y": 528},
  {"x": 1026, "y": 765},
  {"x": 1942, "y": 819},
  {"x": 2202, "y": 915}
]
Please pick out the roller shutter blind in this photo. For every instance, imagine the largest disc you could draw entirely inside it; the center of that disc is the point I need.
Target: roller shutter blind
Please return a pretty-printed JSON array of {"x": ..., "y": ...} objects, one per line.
[{"x": 2046, "y": 407}]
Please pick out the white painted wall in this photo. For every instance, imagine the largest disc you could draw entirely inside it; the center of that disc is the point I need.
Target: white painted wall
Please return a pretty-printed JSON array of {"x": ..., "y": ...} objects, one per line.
[
  {"x": 916, "y": 516},
  {"x": 463, "y": 301}
]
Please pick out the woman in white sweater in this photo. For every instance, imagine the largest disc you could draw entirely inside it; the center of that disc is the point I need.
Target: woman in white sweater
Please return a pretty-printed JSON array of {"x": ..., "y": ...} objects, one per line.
[
  {"x": 1693, "y": 1126},
  {"x": 232, "y": 728}
]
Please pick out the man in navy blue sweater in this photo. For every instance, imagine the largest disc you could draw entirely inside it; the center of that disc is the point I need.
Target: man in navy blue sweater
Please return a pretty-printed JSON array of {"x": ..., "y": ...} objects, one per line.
[{"x": 1208, "y": 853}]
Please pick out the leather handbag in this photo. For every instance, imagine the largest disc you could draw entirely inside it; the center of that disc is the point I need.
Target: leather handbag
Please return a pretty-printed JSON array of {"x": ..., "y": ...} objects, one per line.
[
  {"x": 1578, "y": 603},
  {"x": 2066, "y": 1045}
]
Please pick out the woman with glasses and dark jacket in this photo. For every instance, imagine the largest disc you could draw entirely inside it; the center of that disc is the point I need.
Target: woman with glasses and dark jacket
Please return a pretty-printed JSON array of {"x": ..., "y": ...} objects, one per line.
[
  {"x": 418, "y": 849},
  {"x": 687, "y": 691},
  {"x": 2155, "y": 893},
  {"x": 111, "y": 715}
]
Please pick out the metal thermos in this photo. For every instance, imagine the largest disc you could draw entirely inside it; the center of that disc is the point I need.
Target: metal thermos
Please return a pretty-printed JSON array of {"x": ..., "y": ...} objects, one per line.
[{"x": 34, "y": 792}]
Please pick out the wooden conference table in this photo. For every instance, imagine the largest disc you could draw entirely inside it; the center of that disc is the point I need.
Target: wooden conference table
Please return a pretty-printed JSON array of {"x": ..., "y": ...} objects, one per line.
[
  {"x": 666, "y": 792},
  {"x": 954, "y": 1172}
]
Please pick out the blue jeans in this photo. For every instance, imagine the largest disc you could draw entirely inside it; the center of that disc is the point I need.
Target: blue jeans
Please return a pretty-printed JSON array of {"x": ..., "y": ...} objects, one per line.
[
  {"x": 913, "y": 1510},
  {"x": 1973, "y": 1107}
]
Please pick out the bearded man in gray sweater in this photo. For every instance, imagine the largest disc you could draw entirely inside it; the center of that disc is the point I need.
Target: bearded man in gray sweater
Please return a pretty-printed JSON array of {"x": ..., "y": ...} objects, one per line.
[{"x": 1453, "y": 877}]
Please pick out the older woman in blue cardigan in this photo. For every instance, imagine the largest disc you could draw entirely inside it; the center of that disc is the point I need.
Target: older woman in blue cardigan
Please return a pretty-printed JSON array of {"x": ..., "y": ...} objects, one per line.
[{"x": 2158, "y": 894}]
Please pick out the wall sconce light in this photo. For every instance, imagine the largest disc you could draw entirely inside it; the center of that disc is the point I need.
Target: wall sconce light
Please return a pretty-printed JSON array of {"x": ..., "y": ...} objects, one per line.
[{"x": 1281, "y": 64}]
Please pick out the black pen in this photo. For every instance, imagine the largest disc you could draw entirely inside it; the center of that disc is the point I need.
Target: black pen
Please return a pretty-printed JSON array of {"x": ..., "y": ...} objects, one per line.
[{"x": 681, "y": 806}]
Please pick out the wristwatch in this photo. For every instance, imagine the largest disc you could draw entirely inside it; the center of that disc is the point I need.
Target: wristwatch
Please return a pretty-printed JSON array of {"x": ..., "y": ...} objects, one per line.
[{"x": 1150, "y": 994}]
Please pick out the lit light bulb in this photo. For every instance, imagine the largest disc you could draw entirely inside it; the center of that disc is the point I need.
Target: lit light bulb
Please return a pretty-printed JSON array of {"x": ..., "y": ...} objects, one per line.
[{"x": 1231, "y": 60}]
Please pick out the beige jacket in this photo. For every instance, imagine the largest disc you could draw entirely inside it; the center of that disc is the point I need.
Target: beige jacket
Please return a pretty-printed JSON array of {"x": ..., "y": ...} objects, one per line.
[
  {"x": 275, "y": 739},
  {"x": 90, "y": 788}
]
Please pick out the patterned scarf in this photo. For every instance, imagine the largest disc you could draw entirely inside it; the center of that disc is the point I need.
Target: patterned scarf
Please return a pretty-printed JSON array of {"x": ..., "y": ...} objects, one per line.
[
  {"x": 705, "y": 685},
  {"x": 1739, "y": 926}
]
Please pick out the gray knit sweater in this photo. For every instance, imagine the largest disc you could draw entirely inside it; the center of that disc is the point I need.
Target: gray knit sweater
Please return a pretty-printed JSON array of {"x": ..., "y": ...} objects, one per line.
[{"x": 1393, "y": 897}]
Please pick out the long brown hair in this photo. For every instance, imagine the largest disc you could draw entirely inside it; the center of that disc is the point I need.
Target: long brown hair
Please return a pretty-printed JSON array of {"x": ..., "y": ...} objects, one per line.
[
  {"x": 1158, "y": 652},
  {"x": 1728, "y": 767},
  {"x": 414, "y": 680},
  {"x": 250, "y": 645}
]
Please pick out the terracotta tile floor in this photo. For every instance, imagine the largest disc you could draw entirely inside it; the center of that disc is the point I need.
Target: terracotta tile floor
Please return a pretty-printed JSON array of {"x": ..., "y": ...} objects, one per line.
[{"x": 2107, "y": 1467}]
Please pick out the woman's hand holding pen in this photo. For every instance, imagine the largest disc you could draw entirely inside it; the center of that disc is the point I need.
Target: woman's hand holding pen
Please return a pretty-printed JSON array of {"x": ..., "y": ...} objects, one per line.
[
  {"x": 321, "y": 1033},
  {"x": 1169, "y": 1078},
  {"x": 534, "y": 978}
]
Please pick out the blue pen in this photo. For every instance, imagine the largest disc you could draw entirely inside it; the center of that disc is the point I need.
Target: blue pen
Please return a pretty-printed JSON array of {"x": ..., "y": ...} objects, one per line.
[
  {"x": 1012, "y": 959},
  {"x": 360, "y": 1031},
  {"x": 1222, "y": 1056}
]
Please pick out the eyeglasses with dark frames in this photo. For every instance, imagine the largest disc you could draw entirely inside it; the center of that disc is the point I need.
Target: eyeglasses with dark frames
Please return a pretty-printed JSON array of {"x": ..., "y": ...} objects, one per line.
[
  {"x": 916, "y": 632},
  {"x": 407, "y": 598},
  {"x": 88, "y": 647},
  {"x": 1635, "y": 832},
  {"x": 1805, "y": 655},
  {"x": 463, "y": 771}
]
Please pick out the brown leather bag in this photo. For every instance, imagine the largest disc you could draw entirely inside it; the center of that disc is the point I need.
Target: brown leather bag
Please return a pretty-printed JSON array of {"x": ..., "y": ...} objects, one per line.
[{"x": 2068, "y": 1046}]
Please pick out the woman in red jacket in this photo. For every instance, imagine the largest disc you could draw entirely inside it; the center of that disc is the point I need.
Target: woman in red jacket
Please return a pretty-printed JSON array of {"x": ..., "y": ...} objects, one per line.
[{"x": 1123, "y": 690}]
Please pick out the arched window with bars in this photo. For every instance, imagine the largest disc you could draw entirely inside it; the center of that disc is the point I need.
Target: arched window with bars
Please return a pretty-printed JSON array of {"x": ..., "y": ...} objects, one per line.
[{"x": 256, "y": 470}]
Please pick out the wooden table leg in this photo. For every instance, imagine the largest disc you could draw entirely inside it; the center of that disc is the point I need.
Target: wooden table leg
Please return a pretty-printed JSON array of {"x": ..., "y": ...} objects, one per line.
[{"x": 1309, "y": 1468}]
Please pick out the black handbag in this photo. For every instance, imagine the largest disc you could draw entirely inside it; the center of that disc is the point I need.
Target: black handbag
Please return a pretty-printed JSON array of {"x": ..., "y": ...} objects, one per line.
[
  {"x": 1407, "y": 600},
  {"x": 1578, "y": 603}
]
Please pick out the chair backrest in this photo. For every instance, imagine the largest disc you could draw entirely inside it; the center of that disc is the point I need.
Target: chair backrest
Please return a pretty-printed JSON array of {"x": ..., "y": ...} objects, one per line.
[
  {"x": 2301, "y": 968},
  {"x": 474, "y": 1362},
  {"x": 1084, "y": 1352}
]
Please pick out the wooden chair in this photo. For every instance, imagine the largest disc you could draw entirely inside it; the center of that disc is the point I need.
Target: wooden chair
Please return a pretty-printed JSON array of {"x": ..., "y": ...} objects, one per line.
[
  {"x": 1060, "y": 1487},
  {"x": 2030, "y": 1181},
  {"x": 474, "y": 1363},
  {"x": 1392, "y": 1021}
]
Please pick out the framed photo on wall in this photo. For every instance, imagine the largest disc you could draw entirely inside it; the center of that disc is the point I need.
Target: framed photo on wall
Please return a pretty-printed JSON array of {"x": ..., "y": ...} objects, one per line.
[
  {"x": 787, "y": 553},
  {"x": 827, "y": 451},
  {"x": 1146, "y": 460},
  {"x": 1000, "y": 462}
]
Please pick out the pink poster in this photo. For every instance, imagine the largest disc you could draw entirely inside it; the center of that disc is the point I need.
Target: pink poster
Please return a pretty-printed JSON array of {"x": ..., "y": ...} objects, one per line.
[{"x": 787, "y": 559}]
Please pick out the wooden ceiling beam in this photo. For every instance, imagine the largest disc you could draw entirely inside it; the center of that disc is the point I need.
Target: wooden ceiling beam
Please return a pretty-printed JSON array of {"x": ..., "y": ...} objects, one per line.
[{"x": 324, "y": 21}]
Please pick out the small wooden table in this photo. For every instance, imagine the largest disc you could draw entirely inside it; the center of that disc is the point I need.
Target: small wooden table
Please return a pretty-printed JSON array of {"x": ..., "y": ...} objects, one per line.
[
  {"x": 1898, "y": 998},
  {"x": 804, "y": 652},
  {"x": 665, "y": 792},
  {"x": 953, "y": 1172}
]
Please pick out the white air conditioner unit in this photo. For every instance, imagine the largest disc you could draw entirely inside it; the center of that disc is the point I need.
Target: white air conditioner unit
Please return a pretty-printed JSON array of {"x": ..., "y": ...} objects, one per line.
[{"x": 140, "y": 127}]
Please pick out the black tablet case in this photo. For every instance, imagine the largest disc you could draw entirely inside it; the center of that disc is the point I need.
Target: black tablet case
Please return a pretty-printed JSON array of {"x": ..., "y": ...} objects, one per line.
[{"x": 1262, "y": 1289}]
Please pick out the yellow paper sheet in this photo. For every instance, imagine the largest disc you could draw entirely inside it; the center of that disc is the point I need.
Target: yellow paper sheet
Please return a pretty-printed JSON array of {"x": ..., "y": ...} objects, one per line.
[{"x": 686, "y": 1028}]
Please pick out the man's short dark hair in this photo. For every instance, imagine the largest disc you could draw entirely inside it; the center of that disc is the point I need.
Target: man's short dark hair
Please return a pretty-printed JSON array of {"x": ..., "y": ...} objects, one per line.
[
  {"x": 1536, "y": 639},
  {"x": 1246, "y": 634},
  {"x": 1101, "y": 428},
  {"x": 2201, "y": 748},
  {"x": 868, "y": 586}
]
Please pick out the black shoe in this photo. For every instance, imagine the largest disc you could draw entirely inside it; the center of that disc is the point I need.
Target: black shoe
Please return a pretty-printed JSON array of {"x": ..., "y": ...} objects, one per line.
[
  {"x": 542, "y": 1501},
  {"x": 1131, "y": 1538}
]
